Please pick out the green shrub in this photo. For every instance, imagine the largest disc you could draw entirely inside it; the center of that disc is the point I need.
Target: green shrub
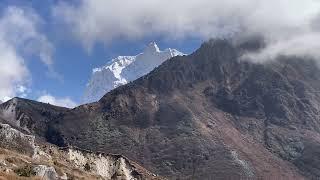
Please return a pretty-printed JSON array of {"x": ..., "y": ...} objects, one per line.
[
  {"x": 87, "y": 167},
  {"x": 25, "y": 171}
]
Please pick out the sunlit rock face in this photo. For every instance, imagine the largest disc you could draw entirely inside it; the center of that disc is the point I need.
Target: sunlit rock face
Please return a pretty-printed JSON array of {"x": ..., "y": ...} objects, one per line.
[{"x": 22, "y": 156}]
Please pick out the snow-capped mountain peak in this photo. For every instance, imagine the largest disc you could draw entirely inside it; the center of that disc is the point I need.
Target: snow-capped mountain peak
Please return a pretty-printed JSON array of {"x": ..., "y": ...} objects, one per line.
[
  {"x": 124, "y": 69},
  {"x": 152, "y": 48}
]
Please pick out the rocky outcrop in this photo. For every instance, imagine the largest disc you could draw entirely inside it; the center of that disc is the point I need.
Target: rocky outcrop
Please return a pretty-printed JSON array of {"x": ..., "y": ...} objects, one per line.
[
  {"x": 45, "y": 172},
  {"x": 107, "y": 166},
  {"x": 20, "y": 156},
  {"x": 13, "y": 139}
]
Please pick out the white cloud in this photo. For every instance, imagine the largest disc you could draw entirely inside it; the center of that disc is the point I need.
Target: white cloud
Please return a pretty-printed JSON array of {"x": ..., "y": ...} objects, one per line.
[
  {"x": 286, "y": 24},
  {"x": 20, "y": 37},
  {"x": 63, "y": 102},
  {"x": 12, "y": 71},
  {"x": 20, "y": 29},
  {"x": 303, "y": 45}
]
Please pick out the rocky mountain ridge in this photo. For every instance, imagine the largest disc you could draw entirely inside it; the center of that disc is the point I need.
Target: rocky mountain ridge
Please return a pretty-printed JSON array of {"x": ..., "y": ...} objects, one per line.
[
  {"x": 195, "y": 116},
  {"x": 29, "y": 116},
  {"x": 208, "y": 115}
]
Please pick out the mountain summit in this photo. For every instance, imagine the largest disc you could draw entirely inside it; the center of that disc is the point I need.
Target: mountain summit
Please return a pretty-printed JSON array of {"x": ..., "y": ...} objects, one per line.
[
  {"x": 209, "y": 115},
  {"x": 124, "y": 69},
  {"x": 152, "y": 48}
]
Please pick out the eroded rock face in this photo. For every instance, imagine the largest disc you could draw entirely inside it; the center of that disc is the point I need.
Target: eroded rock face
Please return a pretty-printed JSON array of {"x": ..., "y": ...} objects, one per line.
[
  {"x": 45, "y": 172},
  {"x": 15, "y": 140},
  {"x": 20, "y": 155},
  {"x": 107, "y": 166}
]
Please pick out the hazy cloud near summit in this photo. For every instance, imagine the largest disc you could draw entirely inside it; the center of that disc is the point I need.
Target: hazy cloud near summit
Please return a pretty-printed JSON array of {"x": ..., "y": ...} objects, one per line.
[{"x": 287, "y": 25}]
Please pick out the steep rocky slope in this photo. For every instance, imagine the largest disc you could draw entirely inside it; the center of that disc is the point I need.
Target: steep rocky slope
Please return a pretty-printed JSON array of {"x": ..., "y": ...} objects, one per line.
[
  {"x": 124, "y": 69},
  {"x": 21, "y": 157},
  {"x": 209, "y": 115},
  {"x": 29, "y": 116}
]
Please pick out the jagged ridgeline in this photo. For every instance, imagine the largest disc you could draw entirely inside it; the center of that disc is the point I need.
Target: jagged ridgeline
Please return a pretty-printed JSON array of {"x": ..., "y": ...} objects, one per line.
[{"x": 209, "y": 115}]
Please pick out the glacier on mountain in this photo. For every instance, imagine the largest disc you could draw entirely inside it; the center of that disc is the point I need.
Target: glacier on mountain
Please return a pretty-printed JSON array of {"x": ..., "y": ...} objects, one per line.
[{"x": 124, "y": 69}]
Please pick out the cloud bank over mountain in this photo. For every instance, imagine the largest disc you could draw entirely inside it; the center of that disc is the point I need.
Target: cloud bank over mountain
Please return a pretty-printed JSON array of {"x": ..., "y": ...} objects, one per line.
[{"x": 288, "y": 26}]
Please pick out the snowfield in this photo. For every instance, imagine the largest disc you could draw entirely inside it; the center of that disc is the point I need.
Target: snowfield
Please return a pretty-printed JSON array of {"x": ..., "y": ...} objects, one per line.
[{"x": 124, "y": 69}]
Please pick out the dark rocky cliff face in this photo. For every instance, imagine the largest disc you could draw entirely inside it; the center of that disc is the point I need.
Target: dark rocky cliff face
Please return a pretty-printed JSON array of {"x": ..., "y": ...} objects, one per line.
[
  {"x": 29, "y": 116},
  {"x": 209, "y": 115}
]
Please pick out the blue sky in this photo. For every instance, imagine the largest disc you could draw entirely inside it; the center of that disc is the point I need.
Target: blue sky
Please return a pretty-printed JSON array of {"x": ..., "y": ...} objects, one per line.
[
  {"x": 48, "y": 48},
  {"x": 71, "y": 60},
  {"x": 75, "y": 64}
]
